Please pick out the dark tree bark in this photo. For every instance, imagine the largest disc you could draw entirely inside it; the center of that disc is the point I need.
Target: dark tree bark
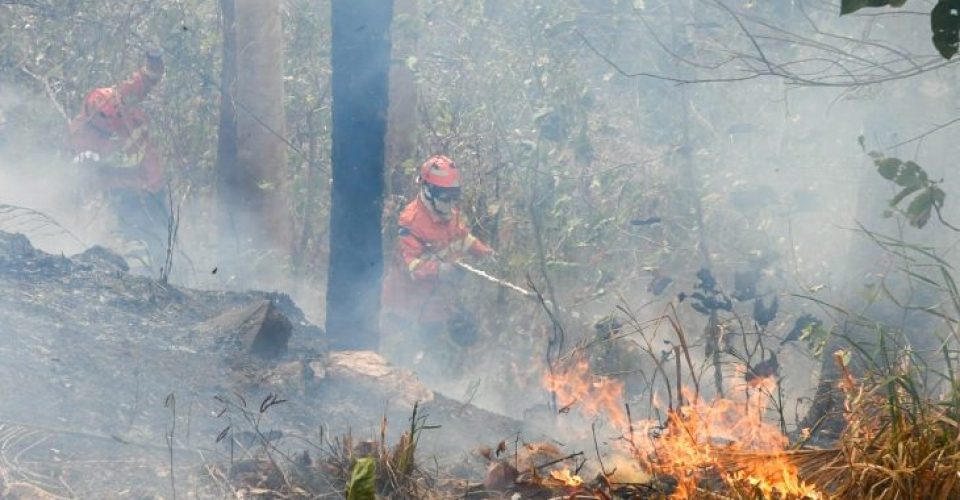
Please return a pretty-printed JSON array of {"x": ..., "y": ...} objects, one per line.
[{"x": 361, "y": 64}]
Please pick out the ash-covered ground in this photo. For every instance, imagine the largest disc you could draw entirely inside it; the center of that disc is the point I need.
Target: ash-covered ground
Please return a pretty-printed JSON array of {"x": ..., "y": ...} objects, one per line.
[{"x": 113, "y": 382}]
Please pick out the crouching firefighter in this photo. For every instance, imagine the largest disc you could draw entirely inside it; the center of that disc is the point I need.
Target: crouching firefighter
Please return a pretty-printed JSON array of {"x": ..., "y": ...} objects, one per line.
[
  {"x": 423, "y": 320},
  {"x": 118, "y": 165}
]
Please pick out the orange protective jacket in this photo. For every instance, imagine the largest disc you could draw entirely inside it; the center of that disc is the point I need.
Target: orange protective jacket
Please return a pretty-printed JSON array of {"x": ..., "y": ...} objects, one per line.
[
  {"x": 123, "y": 144},
  {"x": 412, "y": 289}
]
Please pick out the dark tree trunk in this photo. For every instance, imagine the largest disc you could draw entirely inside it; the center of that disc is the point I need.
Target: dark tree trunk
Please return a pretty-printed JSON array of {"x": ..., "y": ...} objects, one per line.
[{"x": 360, "y": 63}]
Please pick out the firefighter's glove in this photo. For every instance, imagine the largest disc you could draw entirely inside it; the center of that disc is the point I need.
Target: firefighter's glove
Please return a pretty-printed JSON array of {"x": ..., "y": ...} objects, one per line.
[{"x": 449, "y": 273}]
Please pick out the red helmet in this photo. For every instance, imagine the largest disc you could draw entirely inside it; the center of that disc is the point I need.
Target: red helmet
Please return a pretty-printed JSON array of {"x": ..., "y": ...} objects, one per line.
[
  {"x": 440, "y": 171},
  {"x": 102, "y": 105}
]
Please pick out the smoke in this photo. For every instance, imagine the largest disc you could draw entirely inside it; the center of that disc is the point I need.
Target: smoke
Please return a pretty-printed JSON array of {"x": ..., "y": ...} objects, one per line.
[
  {"x": 35, "y": 175},
  {"x": 780, "y": 174}
]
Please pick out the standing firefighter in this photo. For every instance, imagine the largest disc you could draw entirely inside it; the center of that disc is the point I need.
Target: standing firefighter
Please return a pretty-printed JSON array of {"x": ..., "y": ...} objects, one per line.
[
  {"x": 118, "y": 161},
  {"x": 422, "y": 312}
]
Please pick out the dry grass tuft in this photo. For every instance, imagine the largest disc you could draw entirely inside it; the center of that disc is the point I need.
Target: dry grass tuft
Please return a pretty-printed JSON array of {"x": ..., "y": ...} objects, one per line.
[{"x": 898, "y": 444}]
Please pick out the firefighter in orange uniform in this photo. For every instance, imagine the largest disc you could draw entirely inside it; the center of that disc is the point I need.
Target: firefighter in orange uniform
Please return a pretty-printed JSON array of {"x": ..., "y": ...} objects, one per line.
[
  {"x": 118, "y": 161},
  {"x": 421, "y": 309}
]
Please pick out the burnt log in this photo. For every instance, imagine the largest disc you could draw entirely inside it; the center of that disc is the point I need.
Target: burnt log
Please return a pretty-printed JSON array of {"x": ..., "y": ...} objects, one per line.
[{"x": 258, "y": 329}]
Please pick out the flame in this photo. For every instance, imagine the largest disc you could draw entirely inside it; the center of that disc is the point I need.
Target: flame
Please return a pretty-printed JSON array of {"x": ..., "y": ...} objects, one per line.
[
  {"x": 592, "y": 394},
  {"x": 727, "y": 438},
  {"x": 566, "y": 478}
]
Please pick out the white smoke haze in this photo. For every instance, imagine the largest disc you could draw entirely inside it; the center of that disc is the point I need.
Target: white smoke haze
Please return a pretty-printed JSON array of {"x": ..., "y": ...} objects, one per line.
[
  {"x": 42, "y": 179},
  {"x": 780, "y": 174}
]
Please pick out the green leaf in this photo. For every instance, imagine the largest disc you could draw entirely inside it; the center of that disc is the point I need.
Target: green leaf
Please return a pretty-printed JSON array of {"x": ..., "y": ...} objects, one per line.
[
  {"x": 849, "y": 6},
  {"x": 938, "y": 196},
  {"x": 907, "y": 191},
  {"x": 913, "y": 167},
  {"x": 362, "y": 480},
  {"x": 918, "y": 212},
  {"x": 945, "y": 24},
  {"x": 910, "y": 175},
  {"x": 888, "y": 167}
]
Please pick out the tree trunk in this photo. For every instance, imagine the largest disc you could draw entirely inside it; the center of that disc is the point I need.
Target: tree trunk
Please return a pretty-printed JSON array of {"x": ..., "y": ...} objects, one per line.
[
  {"x": 258, "y": 191},
  {"x": 401, "y": 141},
  {"x": 361, "y": 64},
  {"x": 227, "y": 172}
]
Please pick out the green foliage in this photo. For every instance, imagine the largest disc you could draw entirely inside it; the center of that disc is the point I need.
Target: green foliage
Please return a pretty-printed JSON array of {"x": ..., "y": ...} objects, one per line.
[
  {"x": 850, "y": 6},
  {"x": 913, "y": 180},
  {"x": 945, "y": 23},
  {"x": 816, "y": 336},
  {"x": 362, "y": 485}
]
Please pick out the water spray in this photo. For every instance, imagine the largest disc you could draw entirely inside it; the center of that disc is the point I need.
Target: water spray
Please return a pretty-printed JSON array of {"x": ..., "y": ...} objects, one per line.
[
  {"x": 493, "y": 279},
  {"x": 510, "y": 286}
]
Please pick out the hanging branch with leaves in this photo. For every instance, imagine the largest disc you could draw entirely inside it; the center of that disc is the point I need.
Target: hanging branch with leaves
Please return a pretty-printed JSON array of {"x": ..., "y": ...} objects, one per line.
[
  {"x": 925, "y": 195},
  {"x": 944, "y": 20}
]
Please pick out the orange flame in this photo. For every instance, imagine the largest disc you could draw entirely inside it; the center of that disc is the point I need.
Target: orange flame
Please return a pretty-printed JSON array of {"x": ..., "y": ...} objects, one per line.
[
  {"x": 727, "y": 438},
  {"x": 566, "y": 478},
  {"x": 592, "y": 394}
]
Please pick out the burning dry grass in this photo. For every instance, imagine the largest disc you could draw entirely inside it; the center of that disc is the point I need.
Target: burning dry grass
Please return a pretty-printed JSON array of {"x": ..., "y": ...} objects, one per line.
[
  {"x": 897, "y": 443},
  {"x": 725, "y": 442},
  {"x": 575, "y": 385}
]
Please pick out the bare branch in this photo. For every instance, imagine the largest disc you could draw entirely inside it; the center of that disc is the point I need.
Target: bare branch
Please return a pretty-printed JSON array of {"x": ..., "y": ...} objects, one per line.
[
  {"x": 852, "y": 69},
  {"x": 931, "y": 131},
  {"x": 49, "y": 91}
]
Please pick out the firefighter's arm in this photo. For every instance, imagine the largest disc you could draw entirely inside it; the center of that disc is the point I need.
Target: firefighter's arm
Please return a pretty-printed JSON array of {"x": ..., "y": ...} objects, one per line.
[
  {"x": 420, "y": 263},
  {"x": 472, "y": 244},
  {"x": 477, "y": 247},
  {"x": 141, "y": 82}
]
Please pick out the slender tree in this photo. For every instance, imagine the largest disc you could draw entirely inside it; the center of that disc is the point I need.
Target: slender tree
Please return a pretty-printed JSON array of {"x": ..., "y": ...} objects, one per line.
[
  {"x": 401, "y": 140},
  {"x": 228, "y": 175},
  {"x": 252, "y": 178},
  {"x": 361, "y": 64}
]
